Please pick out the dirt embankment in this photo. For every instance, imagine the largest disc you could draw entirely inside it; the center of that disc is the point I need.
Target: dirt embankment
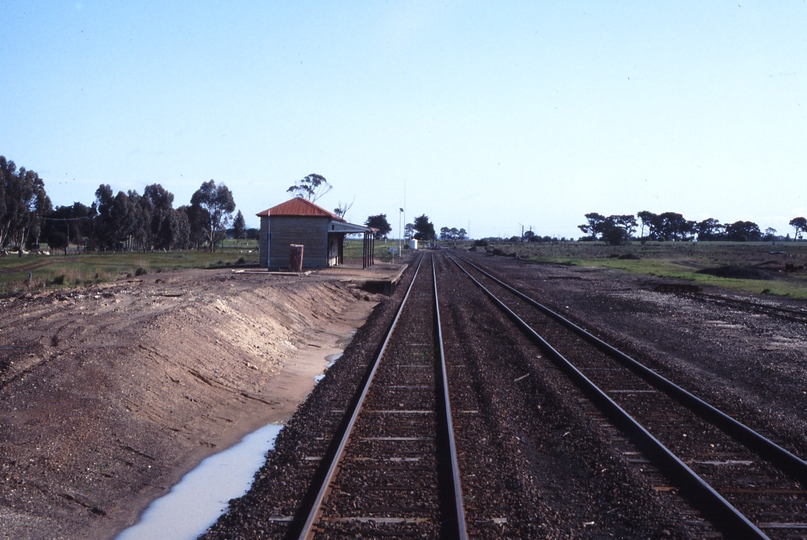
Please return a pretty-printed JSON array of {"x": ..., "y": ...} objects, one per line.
[{"x": 109, "y": 394}]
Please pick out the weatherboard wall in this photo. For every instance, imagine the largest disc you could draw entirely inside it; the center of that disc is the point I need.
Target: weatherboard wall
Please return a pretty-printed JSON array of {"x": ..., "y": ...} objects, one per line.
[{"x": 279, "y": 232}]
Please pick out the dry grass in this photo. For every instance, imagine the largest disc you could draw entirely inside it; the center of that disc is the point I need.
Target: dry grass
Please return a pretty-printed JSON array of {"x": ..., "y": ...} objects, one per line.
[
  {"x": 19, "y": 274},
  {"x": 780, "y": 264}
]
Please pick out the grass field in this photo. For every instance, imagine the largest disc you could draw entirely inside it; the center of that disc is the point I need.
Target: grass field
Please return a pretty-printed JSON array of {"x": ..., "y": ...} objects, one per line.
[
  {"x": 35, "y": 271},
  {"x": 759, "y": 267},
  {"x": 58, "y": 270},
  {"x": 382, "y": 253}
]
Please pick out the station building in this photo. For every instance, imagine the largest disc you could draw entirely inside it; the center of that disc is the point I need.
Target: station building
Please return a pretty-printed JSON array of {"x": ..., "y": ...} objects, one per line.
[{"x": 300, "y": 222}]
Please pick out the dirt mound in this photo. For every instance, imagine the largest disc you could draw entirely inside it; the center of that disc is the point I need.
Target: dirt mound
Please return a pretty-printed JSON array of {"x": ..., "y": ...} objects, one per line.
[
  {"x": 739, "y": 272},
  {"x": 109, "y": 394}
]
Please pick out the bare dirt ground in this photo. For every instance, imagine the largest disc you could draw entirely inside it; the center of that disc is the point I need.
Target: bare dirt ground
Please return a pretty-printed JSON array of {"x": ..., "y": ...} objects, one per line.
[{"x": 109, "y": 394}]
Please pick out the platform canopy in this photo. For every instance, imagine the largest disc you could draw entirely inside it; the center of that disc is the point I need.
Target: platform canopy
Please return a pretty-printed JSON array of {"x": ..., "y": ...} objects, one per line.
[{"x": 350, "y": 228}]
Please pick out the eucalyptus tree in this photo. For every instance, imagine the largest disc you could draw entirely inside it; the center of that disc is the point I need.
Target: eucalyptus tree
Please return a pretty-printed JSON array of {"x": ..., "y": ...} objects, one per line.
[
  {"x": 380, "y": 223},
  {"x": 312, "y": 187},
  {"x": 424, "y": 228},
  {"x": 595, "y": 226},
  {"x": 800, "y": 224},
  {"x": 180, "y": 230},
  {"x": 74, "y": 223},
  {"x": 710, "y": 229},
  {"x": 218, "y": 202},
  {"x": 105, "y": 233},
  {"x": 162, "y": 214},
  {"x": 743, "y": 231},
  {"x": 23, "y": 205},
  {"x": 615, "y": 229}
]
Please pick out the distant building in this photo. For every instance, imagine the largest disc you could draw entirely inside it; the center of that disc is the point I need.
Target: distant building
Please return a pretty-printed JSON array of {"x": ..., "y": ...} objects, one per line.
[{"x": 299, "y": 221}]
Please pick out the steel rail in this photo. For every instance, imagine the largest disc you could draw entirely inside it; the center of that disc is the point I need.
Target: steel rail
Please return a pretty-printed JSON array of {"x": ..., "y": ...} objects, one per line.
[
  {"x": 733, "y": 522},
  {"x": 763, "y": 446},
  {"x": 307, "y": 531},
  {"x": 459, "y": 510},
  {"x": 315, "y": 511}
]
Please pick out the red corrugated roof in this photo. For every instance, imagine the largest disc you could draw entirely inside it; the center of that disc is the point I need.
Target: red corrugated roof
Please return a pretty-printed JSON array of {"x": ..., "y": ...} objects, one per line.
[{"x": 299, "y": 207}]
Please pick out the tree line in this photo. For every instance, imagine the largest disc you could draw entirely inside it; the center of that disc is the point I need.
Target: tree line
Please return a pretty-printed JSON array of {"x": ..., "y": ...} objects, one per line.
[
  {"x": 23, "y": 204},
  {"x": 421, "y": 229},
  {"x": 126, "y": 220},
  {"x": 618, "y": 229}
]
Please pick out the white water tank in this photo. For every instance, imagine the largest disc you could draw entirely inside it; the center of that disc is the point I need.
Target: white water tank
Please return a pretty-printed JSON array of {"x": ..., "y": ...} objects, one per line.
[{"x": 413, "y": 244}]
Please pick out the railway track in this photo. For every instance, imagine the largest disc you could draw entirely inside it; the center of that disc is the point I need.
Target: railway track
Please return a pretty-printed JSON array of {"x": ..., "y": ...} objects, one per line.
[
  {"x": 537, "y": 455},
  {"x": 746, "y": 485},
  {"x": 394, "y": 471}
]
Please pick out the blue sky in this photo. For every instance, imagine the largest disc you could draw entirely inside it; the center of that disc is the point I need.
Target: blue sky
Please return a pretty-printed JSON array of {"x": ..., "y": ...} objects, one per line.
[{"x": 481, "y": 114}]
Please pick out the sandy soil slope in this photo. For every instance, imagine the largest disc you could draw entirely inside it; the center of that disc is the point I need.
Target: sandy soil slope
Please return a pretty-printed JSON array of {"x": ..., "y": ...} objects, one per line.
[{"x": 109, "y": 394}]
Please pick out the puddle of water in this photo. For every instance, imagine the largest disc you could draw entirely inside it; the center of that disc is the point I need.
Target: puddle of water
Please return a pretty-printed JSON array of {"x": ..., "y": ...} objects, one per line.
[
  {"x": 332, "y": 359},
  {"x": 198, "y": 500}
]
